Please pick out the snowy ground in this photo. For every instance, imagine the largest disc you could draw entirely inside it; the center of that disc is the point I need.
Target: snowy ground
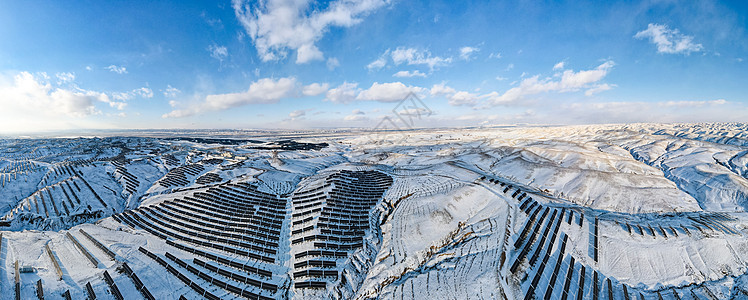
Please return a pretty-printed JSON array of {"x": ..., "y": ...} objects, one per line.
[{"x": 655, "y": 210}]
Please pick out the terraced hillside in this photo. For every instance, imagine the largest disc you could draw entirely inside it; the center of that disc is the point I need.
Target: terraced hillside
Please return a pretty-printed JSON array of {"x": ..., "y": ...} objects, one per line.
[{"x": 645, "y": 211}]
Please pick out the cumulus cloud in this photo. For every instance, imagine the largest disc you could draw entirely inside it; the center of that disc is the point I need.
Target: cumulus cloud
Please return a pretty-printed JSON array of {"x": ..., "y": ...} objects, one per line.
[
  {"x": 668, "y": 40},
  {"x": 143, "y": 92},
  {"x": 441, "y": 89},
  {"x": 569, "y": 81},
  {"x": 31, "y": 102},
  {"x": 277, "y": 26},
  {"x": 559, "y": 66},
  {"x": 218, "y": 52},
  {"x": 463, "y": 98},
  {"x": 315, "y": 89},
  {"x": 65, "y": 77},
  {"x": 332, "y": 63},
  {"x": 412, "y": 56},
  {"x": 116, "y": 69},
  {"x": 598, "y": 88},
  {"x": 381, "y": 92},
  {"x": 344, "y": 93},
  {"x": 466, "y": 52},
  {"x": 262, "y": 91},
  {"x": 379, "y": 62},
  {"x": 409, "y": 56},
  {"x": 171, "y": 92},
  {"x": 454, "y": 97},
  {"x": 414, "y": 73},
  {"x": 387, "y": 92}
]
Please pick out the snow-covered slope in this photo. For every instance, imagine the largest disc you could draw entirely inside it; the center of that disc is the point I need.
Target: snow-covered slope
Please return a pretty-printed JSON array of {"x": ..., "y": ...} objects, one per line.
[{"x": 640, "y": 211}]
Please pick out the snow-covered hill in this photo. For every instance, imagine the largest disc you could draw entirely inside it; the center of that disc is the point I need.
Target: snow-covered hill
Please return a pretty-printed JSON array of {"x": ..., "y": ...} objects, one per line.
[{"x": 640, "y": 211}]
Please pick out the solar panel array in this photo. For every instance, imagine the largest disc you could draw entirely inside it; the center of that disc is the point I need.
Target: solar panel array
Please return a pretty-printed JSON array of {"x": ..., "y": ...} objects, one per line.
[
  {"x": 329, "y": 222},
  {"x": 552, "y": 272},
  {"x": 233, "y": 230}
]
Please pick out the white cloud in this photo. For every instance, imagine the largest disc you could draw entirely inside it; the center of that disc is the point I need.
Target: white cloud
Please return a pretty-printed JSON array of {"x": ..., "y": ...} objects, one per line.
[
  {"x": 218, "y": 52},
  {"x": 718, "y": 110},
  {"x": 496, "y": 55},
  {"x": 171, "y": 91},
  {"x": 382, "y": 92},
  {"x": 356, "y": 115},
  {"x": 599, "y": 88},
  {"x": 412, "y": 56},
  {"x": 266, "y": 90},
  {"x": 692, "y": 103},
  {"x": 297, "y": 113},
  {"x": 315, "y": 89},
  {"x": 414, "y": 73},
  {"x": 356, "y": 118},
  {"x": 454, "y": 97},
  {"x": 466, "y": 52},
  {"x": 379, "y": 62},
  {"x": 570, "y": 81},
  {"x": 441, "y": 90},
  {"x": 65, "y": 77},
  {"x": 307, "y": 53},
  {"x": 143, "y": 92},
  {"x": 463, "y": 98},
  {"x": 116, "y": 69},
  {"x": 32, "y": 103},
  {"x": 89, "y": 68},
  {"x": 559, "y": 66},
  {"x": 344, "y": 93},
  {"x": 332, "y": 63},
  {"x": 387, "y": 92},
  {"x": 409, "y": 56},
  {"x": 669, "y": 40},
  {"x": 277, "y": 26}
]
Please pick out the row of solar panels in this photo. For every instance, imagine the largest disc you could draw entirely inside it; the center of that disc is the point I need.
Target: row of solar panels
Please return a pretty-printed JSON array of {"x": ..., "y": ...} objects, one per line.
[
  {"x": 308, "y": 205},
  {"x": 314, "y": 263},
  {"x": 250, "y": 218},
  {"x": 221, "y": 236},
  {"x": 315, "y": 273},
  {"x": 239, "y": 205},
  {"x": 135, "y": 221},
  {"x": 234, "y": 276},
  {"x": 216, "y": 206},
  {"x": 324, "y": 237},
  {"x": 222, "y": 260},
  {"x": 208, "y": 238},
  {"x": 245, "y": 292},
  {"x": 221, "y": 219},
  {"x": 208, "y": 178},
  {"x": 242, "y": 196},
  {"x": 226, "y": 230}
]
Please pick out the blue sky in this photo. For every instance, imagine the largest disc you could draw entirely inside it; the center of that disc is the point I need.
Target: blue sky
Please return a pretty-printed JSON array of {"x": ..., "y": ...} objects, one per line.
[{"x": 307, "y": 64}]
